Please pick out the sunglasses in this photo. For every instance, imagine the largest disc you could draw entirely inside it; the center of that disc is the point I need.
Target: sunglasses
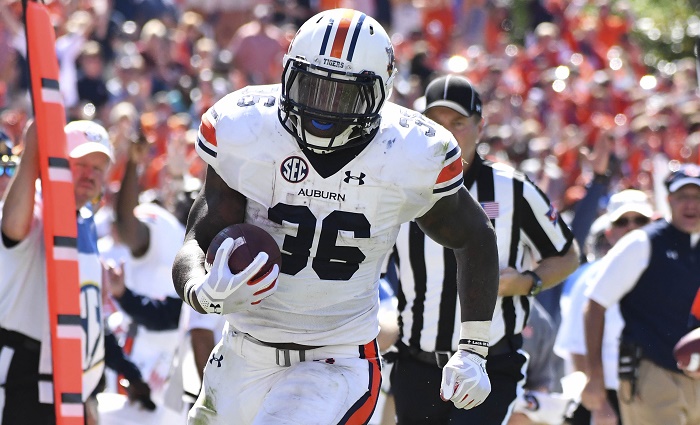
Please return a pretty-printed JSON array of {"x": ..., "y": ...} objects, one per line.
[
  {"x": 7, "y": 170},
  {"x": 625, "y": 221}
]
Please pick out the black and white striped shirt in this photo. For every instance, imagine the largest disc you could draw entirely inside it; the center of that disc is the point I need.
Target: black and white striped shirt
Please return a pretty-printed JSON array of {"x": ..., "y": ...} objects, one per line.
[{"x": 528, "y": 229}]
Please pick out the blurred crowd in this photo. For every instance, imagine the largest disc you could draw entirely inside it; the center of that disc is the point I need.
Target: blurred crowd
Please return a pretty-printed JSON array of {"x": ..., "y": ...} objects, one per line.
[
  {"x": 148, "y": 69},
  {"x": 154, "y": 66}
]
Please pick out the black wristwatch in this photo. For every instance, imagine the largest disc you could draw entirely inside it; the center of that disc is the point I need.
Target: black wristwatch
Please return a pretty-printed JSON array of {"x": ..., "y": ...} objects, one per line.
[{"x": 536, "y": 287}]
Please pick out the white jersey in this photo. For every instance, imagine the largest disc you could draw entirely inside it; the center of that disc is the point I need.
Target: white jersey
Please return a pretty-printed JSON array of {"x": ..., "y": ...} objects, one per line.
[
  {"x": 334, "y": 232},
  {"x": 151, "y": 275},
  {"x": 571, "y": 337},
  {"x": 24, "y": 304}
]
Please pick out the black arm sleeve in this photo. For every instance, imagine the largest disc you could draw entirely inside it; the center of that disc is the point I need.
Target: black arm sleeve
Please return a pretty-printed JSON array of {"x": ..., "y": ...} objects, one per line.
[
  {"x": 155, "y": 315},
  {"x": 116, "y": 360},
  {"x": 9, "y": 243},
  {"x": 586, "y": 210}
]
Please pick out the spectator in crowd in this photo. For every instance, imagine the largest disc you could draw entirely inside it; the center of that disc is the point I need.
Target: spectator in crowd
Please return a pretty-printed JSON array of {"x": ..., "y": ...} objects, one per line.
[
  {"x": 627, "y": 210},
  {"x": 8, "y": 162},
  {"x": 152, "y": 235},
  {"x": 90, "y": 83},
  {"x": 258, "y": 47},
  {"x": 538, "y": 342},
  {"x": 23, "y": 327},
  {"x": 531, "y": 236},
  {"x": 652, "y": 390},
  {"x": 599, "y": 162},
  {"x": 568, "y": 87},
  {"x": 226, "y": 16},
  {"x": 68, "y": 48},
  {"x": 155, "y": 47}
]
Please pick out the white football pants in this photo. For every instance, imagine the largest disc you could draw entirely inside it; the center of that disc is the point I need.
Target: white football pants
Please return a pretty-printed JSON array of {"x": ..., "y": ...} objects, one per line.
[{"x": 249, "y": 383}]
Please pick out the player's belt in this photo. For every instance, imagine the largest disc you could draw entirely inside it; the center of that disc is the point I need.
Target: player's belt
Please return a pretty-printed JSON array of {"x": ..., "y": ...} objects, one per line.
[
  {"x": 282, "y": 345},
  {"x": 265, "y": 354},
  {"x": 283, "y": 350}
]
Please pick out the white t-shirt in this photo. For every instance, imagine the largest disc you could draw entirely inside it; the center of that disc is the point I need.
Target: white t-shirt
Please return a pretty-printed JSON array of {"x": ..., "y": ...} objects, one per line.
[
  {"x": 571, "y": 338},
  {"x": 620, "y": 268},
  {"x": 151, "y": 275},
  {"x": 24, "y": 303}
]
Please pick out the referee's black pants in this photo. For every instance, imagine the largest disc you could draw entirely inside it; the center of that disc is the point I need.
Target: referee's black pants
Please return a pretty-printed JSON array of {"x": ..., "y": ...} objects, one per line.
[{"x": 415, "y": 385}]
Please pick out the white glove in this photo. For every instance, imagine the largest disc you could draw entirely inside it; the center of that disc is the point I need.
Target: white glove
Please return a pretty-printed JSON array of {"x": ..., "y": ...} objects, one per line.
[
  {"x": 222, "y": 292},
  {"x": 464, "y": 380}
]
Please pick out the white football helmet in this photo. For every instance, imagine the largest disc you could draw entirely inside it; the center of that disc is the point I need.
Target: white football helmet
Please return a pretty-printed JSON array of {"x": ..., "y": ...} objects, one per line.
[{"x": 338, "y": 73}]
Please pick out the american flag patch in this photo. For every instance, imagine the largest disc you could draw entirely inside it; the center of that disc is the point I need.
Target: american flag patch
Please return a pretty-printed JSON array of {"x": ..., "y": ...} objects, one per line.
[{"x": 491, "y": 209}]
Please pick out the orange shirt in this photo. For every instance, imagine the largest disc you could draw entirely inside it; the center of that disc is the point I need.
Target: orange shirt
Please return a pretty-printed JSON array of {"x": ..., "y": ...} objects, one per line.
[
  {"x": 437, "y": 26},
  {"x": 329, "y": 4},
  {"x": 611, "y": 30}
]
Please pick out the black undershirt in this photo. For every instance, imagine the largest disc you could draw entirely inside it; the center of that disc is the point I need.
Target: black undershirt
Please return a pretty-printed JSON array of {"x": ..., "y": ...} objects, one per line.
[{"x": 327, "y": 164}]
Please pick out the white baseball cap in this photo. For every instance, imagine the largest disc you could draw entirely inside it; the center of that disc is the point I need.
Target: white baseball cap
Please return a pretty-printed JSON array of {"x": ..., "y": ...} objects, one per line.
[
  {"x": 84, "y": 137},
  {"x": 629, "y": 200}
]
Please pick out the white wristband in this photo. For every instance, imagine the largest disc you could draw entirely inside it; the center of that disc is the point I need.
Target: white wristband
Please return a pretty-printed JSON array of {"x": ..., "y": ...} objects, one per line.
[
  {"x": 189, "y": 292},
  {"x": 474, "y": 337}
]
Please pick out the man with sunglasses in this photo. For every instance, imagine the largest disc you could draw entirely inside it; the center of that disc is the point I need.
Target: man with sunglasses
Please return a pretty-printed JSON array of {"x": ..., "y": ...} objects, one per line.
[
  {"x": 627, "y": 210},
  {"x": 8, "y": 164},
  {"x": 653, "y": 274}
]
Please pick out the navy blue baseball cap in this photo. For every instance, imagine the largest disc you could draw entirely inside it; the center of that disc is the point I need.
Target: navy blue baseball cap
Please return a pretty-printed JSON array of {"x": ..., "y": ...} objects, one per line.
[
  {"x": 683, "y": 175},
  {"x": 454, "y": 92}
]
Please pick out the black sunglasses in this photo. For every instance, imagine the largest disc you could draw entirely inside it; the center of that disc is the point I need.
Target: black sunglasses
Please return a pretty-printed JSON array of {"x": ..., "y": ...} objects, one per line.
[
  {"x": 7, "y": 170},
  {"x": 625, "y": 221}
]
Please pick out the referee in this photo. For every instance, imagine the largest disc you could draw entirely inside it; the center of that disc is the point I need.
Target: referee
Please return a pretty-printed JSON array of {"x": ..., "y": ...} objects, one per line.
[{"x": 536, "y": 251}]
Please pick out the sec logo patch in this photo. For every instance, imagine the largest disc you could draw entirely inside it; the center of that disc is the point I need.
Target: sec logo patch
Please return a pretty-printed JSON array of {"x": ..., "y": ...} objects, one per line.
[{"x": 294, "y": 169}]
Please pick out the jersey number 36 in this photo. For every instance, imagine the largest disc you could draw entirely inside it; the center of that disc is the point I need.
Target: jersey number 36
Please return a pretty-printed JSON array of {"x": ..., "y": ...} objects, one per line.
[{"x": 331, "y": 262}]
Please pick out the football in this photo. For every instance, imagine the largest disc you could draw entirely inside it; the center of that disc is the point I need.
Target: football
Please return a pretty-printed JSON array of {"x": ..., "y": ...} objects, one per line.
[
  {"x": 254, "y": 241},
  {"x": 687, "y": 351}
]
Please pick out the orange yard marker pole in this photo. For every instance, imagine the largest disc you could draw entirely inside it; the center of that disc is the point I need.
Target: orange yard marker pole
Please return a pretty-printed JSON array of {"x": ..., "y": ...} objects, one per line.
[{"x": 60, "y": 228}]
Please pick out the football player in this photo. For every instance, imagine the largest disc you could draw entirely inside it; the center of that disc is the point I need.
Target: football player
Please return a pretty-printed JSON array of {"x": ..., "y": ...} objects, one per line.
[{"x": 330, "y": 169}]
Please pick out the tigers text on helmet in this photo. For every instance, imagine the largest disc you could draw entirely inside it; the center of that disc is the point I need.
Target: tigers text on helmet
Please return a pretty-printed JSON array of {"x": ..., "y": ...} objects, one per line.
[{"x": 338, "y": 73}]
